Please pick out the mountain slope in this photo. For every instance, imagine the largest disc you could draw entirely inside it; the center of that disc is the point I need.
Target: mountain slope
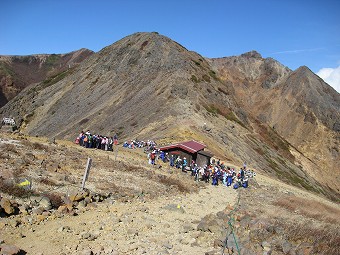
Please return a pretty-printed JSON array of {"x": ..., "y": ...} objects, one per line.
[
  {"x": 143, "y": 73},
  {"x": 18, "y": 72},
  {"x": 298, "y": 105},
  {"x": 147, "y": 86}
]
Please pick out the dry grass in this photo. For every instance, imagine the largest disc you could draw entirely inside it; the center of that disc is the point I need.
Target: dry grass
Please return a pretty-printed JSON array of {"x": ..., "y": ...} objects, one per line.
[
  {"x": 4, "y": 155},
  {"x": 35, "y": 145},
  {"x": 325, "y": 239},
  {"x": 48, "y": 182},
  {"x": 310, "y": 209},
  {"x": 13, "y": 189},
  {"x": 9, "y": 148},
  {"x": 56, "y": 199},
  {"x": 168, "y": 181}
]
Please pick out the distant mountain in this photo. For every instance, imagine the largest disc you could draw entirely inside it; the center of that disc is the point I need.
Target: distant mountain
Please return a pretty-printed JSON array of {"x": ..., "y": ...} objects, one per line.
[
  {"x": 298, "y": 105},
  {"x": 17, "y": 72},
  {"x": 245, "y": 108}
]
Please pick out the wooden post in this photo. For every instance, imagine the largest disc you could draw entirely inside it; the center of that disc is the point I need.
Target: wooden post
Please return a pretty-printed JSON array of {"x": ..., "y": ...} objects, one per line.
[{"x": 86, "y": 173}]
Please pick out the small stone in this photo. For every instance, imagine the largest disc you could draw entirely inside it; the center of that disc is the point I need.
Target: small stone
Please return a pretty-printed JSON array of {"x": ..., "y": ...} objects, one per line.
[
  {"x": 87, "y": 252},
  {"x": 45, "y": 203},
  {"x": 286, "y": 247},
  {"x": 9, "y": 249},
  {"x": 168, "y": 245},
  {"x": 63, "y": 209},
  {"x": 23, "y": 209},
  {"x": 6, "y": 204},
  {"x": 14, "y": 223},
  {"x": 37, "y": 211},
  {"x": 40, "y": 218},
  {"x": 85, "y": 235}
]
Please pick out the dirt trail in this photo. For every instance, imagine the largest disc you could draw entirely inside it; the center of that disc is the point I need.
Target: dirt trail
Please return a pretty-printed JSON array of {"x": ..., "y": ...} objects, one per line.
[{"x": 162, "y": 226}]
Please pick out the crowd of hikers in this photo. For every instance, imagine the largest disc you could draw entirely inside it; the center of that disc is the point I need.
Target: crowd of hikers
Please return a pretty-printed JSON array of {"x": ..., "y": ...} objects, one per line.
[
  {"x": 88, "y": 140},
  {"x": 148, "y": 145},
  {"x": 215, "y": 172}
]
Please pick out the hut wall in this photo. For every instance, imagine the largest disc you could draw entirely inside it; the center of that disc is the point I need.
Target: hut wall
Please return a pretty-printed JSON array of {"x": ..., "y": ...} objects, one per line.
[
  {"x": 181, "y": 153},
  {"x": 202, "y": 160}
]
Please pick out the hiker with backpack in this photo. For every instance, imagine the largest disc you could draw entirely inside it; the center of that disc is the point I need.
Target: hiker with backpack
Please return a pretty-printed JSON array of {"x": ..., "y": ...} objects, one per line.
[
  {"x": 153, "y": 157},
  {"x": 184, "y": 164}
]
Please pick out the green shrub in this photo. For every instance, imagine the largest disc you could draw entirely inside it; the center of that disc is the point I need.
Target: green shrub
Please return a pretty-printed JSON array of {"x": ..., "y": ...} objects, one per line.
[{"x": 194, "y": 79}]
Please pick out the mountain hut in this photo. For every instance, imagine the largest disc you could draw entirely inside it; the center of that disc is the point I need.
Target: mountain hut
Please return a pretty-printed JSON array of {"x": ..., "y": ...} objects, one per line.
[{"x": 192, "y": 150}]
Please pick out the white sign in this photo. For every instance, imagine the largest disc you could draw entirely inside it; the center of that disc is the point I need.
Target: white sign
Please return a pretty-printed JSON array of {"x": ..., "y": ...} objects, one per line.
[
  {"x": 87, "y": 172},
  {"x": 8, "y": 121}
]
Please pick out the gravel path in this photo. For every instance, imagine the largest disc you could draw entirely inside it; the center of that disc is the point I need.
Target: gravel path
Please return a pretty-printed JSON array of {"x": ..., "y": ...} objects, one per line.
[{"x": 167, "y": 225}]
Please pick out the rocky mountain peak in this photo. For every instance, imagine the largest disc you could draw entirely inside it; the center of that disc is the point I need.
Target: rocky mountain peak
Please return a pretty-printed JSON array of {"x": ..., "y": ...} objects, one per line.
[{"x": 252, "y": 54}]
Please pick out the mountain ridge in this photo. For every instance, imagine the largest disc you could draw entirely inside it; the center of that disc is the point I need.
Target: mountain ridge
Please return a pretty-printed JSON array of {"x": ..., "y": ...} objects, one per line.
[
  {"x": 18, "y": 72},
  {"x": 148, "y": 86}
]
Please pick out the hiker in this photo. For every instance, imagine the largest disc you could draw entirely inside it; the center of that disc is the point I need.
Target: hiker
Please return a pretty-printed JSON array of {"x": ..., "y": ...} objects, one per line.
[
  {"x": 162, "y": 156},
  {"x": 192, "y": 166},
  {"x": 153, "y": 157},
  {"x": 195, "y": 170},
  {"x": 86, "y": 141},
  {"x": 225, "y": 176},
  {"x": 206, "y": 175},
  {"x": 115, "y": 139},
  {"x": 110, "y": 144},
  {"x": 166, "y": 158},
  {"x": 172, "y": 161},
  {"x": 178, "y": 162},
  {"x": 242, "y": 173},
  {"x": 245, "y": 182},
  {"x": 229, "y": 177},
  {"x": 184, "y": 164},
  {"x": 90, "y": 140}
]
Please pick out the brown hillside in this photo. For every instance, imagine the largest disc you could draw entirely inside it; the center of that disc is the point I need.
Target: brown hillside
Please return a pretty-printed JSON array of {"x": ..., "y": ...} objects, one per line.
[
  {"x": 18, "y": 72},
  {"x": 148, "y": 86},
  {"x": 298, "y": 105}
]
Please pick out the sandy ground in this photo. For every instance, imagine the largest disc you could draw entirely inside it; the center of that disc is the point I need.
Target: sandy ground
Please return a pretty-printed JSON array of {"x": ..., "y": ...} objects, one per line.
[{"x": 161, "y": 226}]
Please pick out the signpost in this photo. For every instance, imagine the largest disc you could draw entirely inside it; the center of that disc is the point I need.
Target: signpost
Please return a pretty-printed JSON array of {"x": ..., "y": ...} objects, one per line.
[
  {"x": 8, "y": 121},
  {"x": 86, "y": 173}
]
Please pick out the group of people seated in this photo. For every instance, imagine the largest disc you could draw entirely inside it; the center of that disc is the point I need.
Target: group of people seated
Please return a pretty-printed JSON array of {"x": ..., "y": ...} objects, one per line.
[
  {"x": 228, "y": 176},
  {"x": 133, "y": 144}
]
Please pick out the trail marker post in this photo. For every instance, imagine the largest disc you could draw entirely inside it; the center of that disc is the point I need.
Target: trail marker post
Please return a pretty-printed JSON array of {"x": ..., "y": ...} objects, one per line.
[{"x": 87, "y": 172}]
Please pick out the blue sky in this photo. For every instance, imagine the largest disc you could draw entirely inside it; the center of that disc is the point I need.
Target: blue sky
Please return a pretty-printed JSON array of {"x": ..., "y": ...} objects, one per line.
[{"x": 295, "y": 33}]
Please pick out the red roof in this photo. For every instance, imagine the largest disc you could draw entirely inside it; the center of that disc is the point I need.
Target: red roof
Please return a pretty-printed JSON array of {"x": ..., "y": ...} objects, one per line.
[{"x": 190, "y": 146}]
